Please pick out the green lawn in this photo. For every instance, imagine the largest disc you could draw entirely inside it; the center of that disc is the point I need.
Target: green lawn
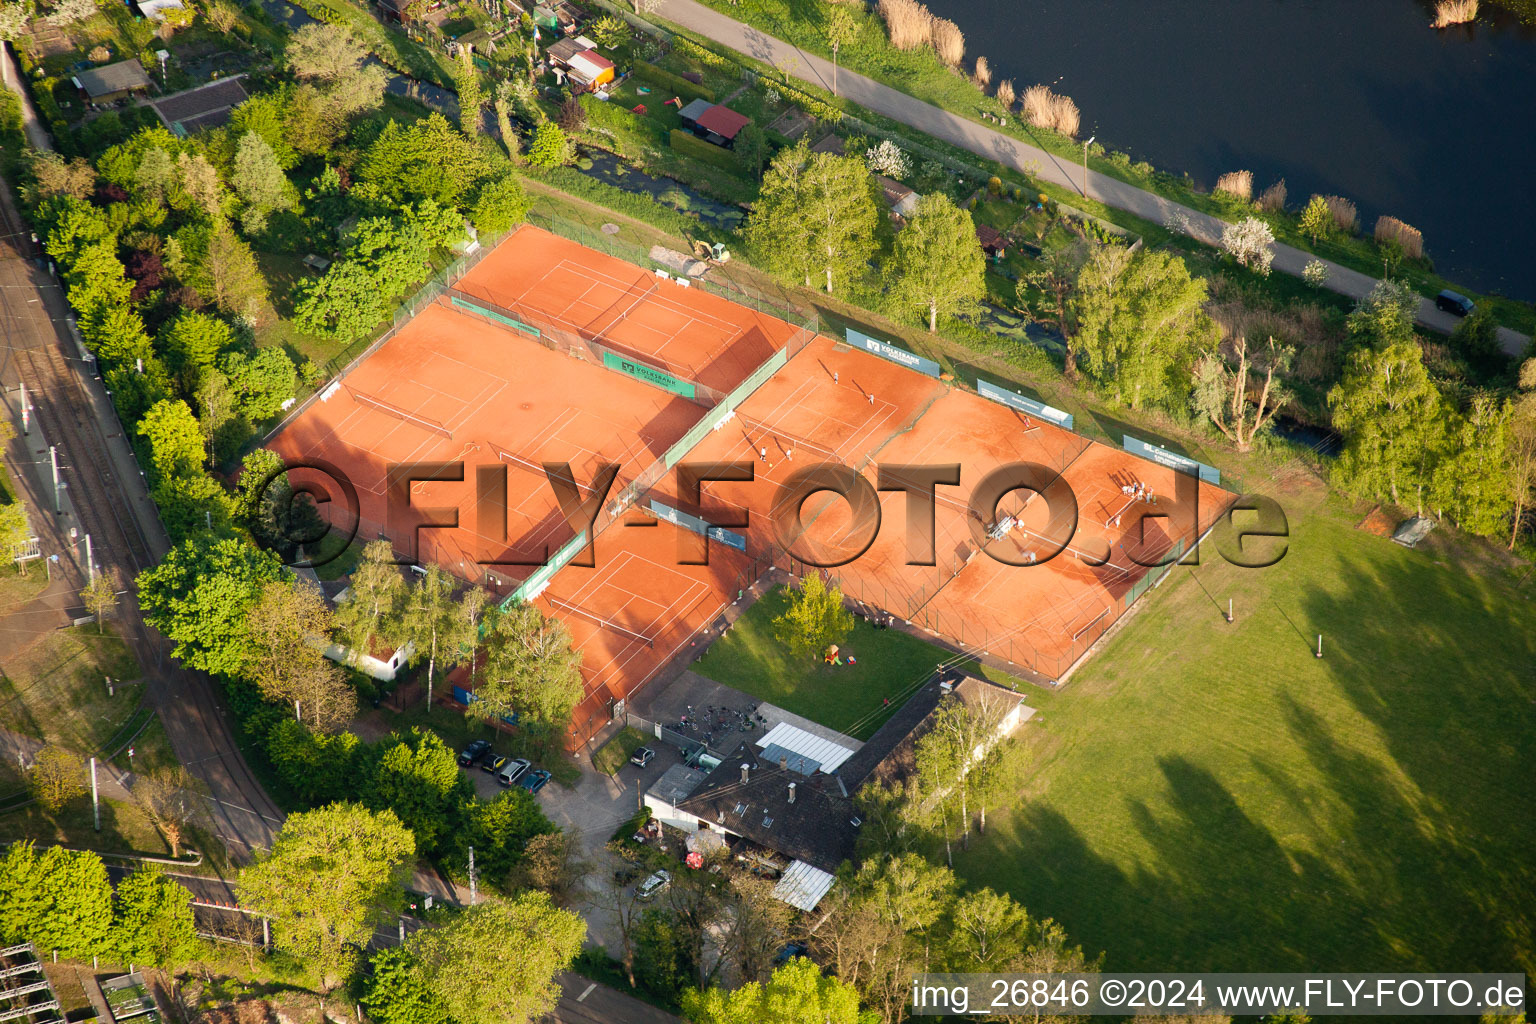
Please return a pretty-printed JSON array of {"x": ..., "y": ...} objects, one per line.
[
  {"x": 848, "y": 698},
  {"x": 55, "y": 690},
  {"x": 1213, "y": 797},
  {"x": 614, "y": 754}
]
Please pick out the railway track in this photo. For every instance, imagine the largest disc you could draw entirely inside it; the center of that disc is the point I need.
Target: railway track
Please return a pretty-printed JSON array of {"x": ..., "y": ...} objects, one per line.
[
  {"x": 103, "y": 495},
  {"x": 62, "y": 409}
]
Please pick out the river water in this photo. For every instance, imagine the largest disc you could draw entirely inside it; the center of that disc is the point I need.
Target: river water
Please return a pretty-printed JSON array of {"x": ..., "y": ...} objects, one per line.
[{"x": 1360, "y": 98}]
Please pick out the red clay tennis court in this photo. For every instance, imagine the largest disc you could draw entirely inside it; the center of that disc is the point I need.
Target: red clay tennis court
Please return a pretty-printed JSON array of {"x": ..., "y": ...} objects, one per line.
[
  {"x": 632, "y": 612},
  {"x": 448, "y": 388},
  {"x": 1130, "y": 514},
  {"x": 683, "y": 330},
  {"x": 829, "y": 403}
]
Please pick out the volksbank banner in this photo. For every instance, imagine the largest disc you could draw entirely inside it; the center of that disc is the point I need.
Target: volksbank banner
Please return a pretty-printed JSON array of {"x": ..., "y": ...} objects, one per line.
[
  {"x": 677, "y": 517},
  {"x": 1164, "y": 457},
  {"x": 1027, "y": 405},
  {"x": 649, "y": 375},
  {"x": 896, "y": 355}
]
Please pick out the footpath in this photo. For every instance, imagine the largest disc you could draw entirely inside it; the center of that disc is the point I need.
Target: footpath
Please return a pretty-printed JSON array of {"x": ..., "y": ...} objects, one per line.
[{"x": 1010, "y": 152}]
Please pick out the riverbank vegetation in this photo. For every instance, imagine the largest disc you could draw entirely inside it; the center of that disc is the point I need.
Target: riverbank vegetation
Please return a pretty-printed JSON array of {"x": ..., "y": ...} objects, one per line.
[{"x": 920, "y": 73}]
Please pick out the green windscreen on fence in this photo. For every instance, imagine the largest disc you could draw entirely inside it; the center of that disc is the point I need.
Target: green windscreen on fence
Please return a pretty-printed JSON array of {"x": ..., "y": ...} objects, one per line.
[
  {"x": 491, "y": 314},
  {"x": 650, "y": 375},
  {"x": 540, "y": 577}
]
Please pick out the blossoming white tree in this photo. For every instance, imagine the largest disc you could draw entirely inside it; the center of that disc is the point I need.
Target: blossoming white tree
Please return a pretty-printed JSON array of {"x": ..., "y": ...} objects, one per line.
[
  {"x": 1251, "y": 243},
  {"x": 888, "y": 159}
]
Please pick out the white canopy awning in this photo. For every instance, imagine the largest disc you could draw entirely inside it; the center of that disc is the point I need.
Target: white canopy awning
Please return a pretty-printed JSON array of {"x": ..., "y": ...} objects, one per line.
[
  {"x": 803, "y": 886},
  {"x": 815, "y": 748}
]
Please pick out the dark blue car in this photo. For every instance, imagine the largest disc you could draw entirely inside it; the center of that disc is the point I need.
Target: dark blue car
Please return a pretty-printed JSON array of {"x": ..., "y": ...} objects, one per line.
[{"x": 533, "y": 781}]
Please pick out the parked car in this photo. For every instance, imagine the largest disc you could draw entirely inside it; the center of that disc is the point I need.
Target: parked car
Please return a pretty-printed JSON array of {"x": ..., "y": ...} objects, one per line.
[
  {"x": 471, "y": 755},
  {"x": 642, "y": 757},
  {"x": 655, "y": 884},
  {"x": 511, "y": 770},
  {"x": 492, "y": 762},
  {"x": 534, "y": 780},
  {"x": 1454, "y": 302},
  {"x": 788, "y": 953}
]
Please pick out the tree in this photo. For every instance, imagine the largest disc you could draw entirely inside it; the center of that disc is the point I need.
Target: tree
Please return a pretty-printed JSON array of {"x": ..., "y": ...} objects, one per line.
[
  {"x": 262, "y": 383},
  {"x": 1386, "y": 407},
  {"x": 986, "y": 931},
  {"x": 200, "y": 185},
  {"x": 395, "y": 992},
  {"x": 552, "y": 862},
  {"x": 501, "y": 205},
  {"x": 548, "y": 147},
  {"x": 67, "y": 12},
  {"x": 1251, "y": 243},
  {"x": 175, "y": 440},
  {"x": 333, "y": 876},
  {"x": 376, "y": 600},
  {"x": 752, "y": 149},
  {"x": 192, "y": 343},
  {"x": 290, "y": 624},
  {"x": 199, "y": 598},
  {"x": 502, "y": 103},
  {"x": 798, "y": 993},
  {"x": 888, "y": 159},
  {"x": 466, "y": 82},
  {"x": 52, "y": 175},
  {"x": 1471, "y": 483},
  {"x": 1316, "y": 220},
  {"x": 1221, "y": 391},
  {"x": 14, "y": 528},
  {"x": 345, "y": 303},
  {"x": 173, "y": 799},
  {"x": 842, "y": 29},
  {"x": 192, "y": 505},
  {"x": 236, "y": 284},
  {"x": 431, "y": 623},
  {"x": 998, "y": 778},
  {"x": 938, "y": 266},
  {"x": 153, "y": 921},
  {"x": 499, "y": 830},
  {"x": 1477, "y": 336},
  {"x": 497, "y": 960},
  {"x": 260, "y": 183},
  {"x": 608, "y": 31},
  {"x": 1385, "y": 316},
  {"x": 427, "y": 159},
  {"x": 815, "y": 618},
  {"x": 1141, "y": 325},
  {"x": 100, "y": 596},
  {"x": 58, "y": 899},
  {"x": 840, "y": 206},
  {"x": 417, "y": 776},
  {"x": 58, "y": 776},
  {"x": 532, "y": 670},
  {"x": 268, "y": 114},
  {"x": 1522, "y": 448},
  {"x": 324, "y": 53}
]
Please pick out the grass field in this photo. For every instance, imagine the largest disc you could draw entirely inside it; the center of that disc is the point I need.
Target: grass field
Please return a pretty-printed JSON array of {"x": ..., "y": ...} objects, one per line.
[
  {"x": 55, "y": 690},
  {"x": 1212, "y": 796},
  {"x": 615, "y": 754},
  {"x": 848, "y": 698}
]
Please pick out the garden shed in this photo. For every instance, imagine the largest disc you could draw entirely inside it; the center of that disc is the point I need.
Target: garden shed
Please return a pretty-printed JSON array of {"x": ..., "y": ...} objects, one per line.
[
  {"x": 713, "y": 122},
  {"x": 113, "y": 82},
  {"x": 901, "y": 199}
]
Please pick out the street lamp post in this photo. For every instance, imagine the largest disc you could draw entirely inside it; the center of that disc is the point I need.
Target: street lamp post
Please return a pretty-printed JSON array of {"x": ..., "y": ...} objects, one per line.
[{"x": 1085, "y": 164}]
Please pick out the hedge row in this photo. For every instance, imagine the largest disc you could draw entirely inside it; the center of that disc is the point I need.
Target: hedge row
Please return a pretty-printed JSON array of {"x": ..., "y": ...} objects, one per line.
[
  {"x": 677, "y": 83},
  {"x": 690, "y": 145}
]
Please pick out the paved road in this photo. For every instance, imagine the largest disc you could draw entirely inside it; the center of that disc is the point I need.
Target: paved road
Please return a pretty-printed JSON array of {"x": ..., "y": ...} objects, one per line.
[{"x": 984, "y": 141}]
